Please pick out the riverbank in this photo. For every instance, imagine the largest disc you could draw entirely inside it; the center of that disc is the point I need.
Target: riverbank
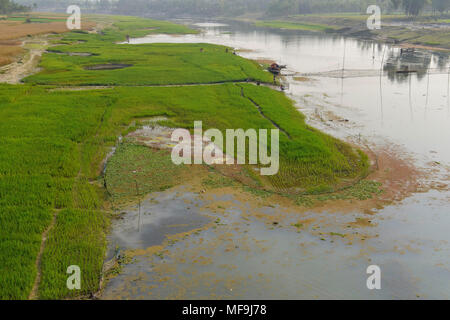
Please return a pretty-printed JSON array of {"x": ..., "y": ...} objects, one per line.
[{"x": 432, "y": 32}]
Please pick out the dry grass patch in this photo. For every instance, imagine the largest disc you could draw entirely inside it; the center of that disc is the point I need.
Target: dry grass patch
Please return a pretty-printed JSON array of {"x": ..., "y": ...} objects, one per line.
[
  {"x": 17, "y": 29},
  {"x": 10, "y": 31},
  {"x": 8, "y": 53}
]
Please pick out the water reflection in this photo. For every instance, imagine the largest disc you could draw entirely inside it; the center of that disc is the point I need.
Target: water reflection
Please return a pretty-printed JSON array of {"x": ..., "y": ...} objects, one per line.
[{"x": 402, "y": 62}]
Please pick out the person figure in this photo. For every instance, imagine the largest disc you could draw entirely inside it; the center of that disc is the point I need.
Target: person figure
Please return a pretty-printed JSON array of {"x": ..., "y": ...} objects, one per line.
[
  {"x": 128, "y": 38},
  {"x": 201, "y": 49}
]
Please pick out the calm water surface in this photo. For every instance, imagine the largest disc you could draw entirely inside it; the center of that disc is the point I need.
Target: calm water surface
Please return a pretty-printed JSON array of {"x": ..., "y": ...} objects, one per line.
[{"x": 410, "y": 114}]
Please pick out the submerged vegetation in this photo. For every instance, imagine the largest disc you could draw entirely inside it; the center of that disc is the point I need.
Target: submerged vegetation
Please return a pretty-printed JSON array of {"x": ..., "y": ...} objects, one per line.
[
  {"x": 52, "y": 143},
  {"x": 137, "y": 170},
  {"x": 363, "y": 190}
]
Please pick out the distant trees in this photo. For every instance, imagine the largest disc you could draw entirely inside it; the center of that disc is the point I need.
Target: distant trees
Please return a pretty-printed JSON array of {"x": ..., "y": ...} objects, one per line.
[
  {"x": 7, "y": 6},
  {"x": 410, "y": 7},
  {"x": 396, "y": 3},
  {"x": 441, "y": 5},
  {"x": 159, "y": 7},
  {"x": 289, "y": 7},
  {"x": 191, "y": 7},
  {"x": 413, "y": 7},
  {"x": 210, "y": 8}
]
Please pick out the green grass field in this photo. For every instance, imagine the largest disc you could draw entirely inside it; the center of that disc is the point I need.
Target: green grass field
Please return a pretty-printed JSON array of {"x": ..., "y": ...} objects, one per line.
[
  {"x": 150, "y": 64},
  {"x": 52, "y": 144}
]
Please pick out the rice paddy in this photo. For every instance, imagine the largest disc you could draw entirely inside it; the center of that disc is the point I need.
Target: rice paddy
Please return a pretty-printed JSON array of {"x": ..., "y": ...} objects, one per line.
[{"x": 8, "y": 53}]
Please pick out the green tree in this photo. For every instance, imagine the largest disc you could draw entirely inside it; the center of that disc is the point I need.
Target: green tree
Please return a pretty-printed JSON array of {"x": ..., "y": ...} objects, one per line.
[{"x": 396, "y": 3}]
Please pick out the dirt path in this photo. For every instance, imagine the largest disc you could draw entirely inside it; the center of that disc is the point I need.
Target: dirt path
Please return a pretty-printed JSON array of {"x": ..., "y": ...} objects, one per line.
[
  {"x": 34, "y": 292},
  {"x": 14, "y": 73},
  {"x": 262, "y": 113}
]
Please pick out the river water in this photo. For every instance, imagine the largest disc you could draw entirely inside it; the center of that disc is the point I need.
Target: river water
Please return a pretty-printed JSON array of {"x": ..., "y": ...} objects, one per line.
[{"x": 353, "y": 83}]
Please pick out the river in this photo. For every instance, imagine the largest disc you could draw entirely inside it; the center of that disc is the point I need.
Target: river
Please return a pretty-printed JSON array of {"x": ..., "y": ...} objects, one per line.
[{"x": 348, "y": 88}]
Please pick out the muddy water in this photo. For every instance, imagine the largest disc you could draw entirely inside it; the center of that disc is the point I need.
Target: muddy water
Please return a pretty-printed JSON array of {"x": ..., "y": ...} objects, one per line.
[
  {"x": 245, "y": 256},
  {"x": 159, "y": 215}
]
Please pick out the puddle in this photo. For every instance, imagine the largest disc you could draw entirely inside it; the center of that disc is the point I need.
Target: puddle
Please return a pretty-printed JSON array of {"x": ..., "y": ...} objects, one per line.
[{"x": 160, "y": 214}]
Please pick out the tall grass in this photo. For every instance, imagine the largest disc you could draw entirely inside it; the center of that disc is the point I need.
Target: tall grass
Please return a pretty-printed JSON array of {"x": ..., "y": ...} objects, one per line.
[
  {"x": 78, "y": 239},
  {"x": 8, "y": 53}
]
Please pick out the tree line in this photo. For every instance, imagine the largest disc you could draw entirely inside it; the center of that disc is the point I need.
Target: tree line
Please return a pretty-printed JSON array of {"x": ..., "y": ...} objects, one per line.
[
  {"x": 271, "y": 8},
  {"x": 415, "y": 7},
  {"x": 409, "y": 7},
  {"x": 8, "y": 6},
  {"x": 441, "y": 5}
]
